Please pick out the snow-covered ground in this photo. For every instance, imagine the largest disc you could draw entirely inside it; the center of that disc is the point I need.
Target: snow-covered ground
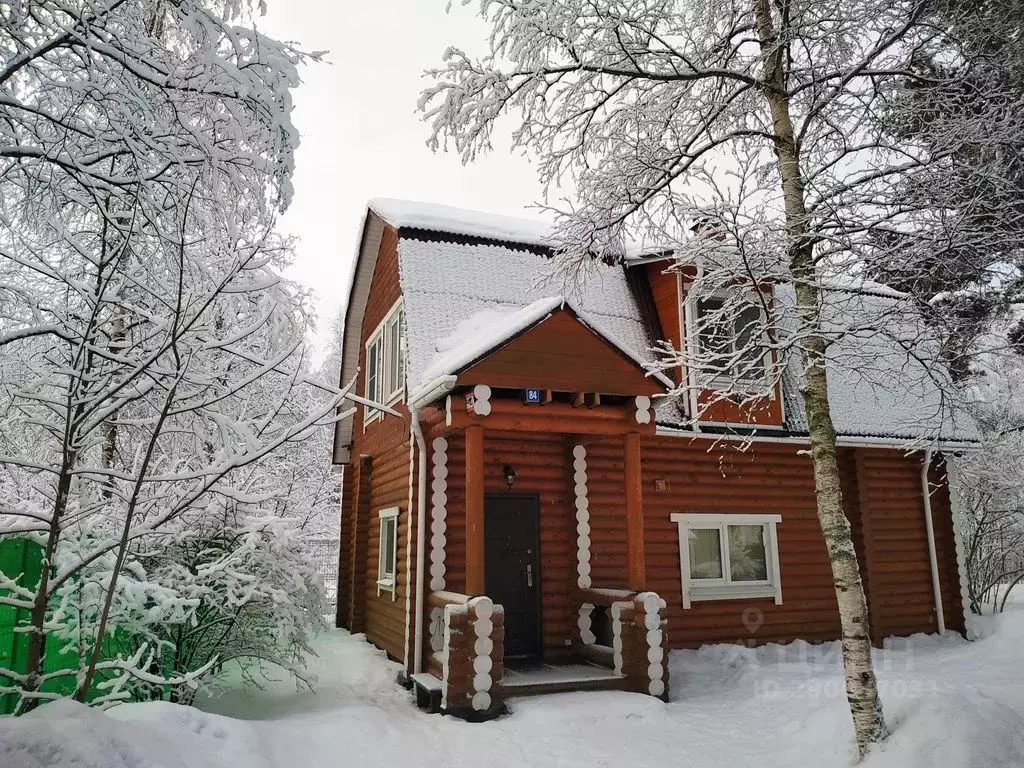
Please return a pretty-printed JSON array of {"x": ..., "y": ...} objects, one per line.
[{"x": 950, "y": 703}]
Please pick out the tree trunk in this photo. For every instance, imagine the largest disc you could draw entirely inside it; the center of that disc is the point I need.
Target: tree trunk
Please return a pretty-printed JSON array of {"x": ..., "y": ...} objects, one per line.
[
  {"x": 861, "y": 686},
  {"x": 35, "y": 652}
]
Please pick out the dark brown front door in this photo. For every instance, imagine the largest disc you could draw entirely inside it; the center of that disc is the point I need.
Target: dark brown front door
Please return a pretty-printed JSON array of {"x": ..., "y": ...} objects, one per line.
[{"x": 512, "y": 568}]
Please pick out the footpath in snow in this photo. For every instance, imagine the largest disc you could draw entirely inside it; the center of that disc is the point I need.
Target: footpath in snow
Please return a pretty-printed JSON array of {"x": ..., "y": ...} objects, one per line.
[{"x": 951, "y": 703}]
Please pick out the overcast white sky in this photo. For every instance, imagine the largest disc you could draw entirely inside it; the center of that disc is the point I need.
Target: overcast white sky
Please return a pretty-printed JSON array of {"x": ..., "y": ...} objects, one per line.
[{"x": 361, "y": 135}]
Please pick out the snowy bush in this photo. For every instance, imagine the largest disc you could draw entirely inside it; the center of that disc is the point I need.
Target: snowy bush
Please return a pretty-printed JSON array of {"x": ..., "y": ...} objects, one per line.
[
  {"x": 992, "y": 519},
  {"x": 256, "y": 598}
]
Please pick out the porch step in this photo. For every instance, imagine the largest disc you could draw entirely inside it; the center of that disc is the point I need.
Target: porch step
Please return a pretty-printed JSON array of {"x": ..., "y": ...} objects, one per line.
[
  {"x": 551, "y": 678},
  {"x": 428, "y": 691}
]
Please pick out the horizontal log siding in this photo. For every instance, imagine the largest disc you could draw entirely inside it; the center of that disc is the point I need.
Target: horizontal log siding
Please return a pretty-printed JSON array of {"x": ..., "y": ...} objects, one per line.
[
  {"x": 343, "y": 617},
  {"x": 665, "y": 292},
  {"x": 387, "y": 442},
  {"x": 860, "y": 529},
  {"x": 606, "y": 484},
  {"x": 719, "y": 479},
  {"x": 945, "y": 548},
  {"x": 888, "y": 528},
  {"x": 900, "y": 590},
  {"x": 385, "y": 617},
  {"x": 769, "y": 479}
]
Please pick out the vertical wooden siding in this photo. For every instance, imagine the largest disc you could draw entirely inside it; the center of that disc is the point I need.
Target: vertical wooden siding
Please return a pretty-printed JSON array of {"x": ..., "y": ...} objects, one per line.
[{"x": 665, "y": 291}]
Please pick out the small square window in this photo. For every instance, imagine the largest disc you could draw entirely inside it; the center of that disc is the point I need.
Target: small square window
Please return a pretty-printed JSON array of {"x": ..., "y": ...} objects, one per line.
[{"x": 724, "y": 557}]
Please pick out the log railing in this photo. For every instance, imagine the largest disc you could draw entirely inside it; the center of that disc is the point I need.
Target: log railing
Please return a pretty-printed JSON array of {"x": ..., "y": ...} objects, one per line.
[
  {"x": 637, "y": 636},
  {"x": 470, "y": 661}
]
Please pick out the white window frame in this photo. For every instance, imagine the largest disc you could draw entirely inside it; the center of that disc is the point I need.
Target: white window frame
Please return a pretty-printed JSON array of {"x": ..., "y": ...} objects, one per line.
[
  {"x": 695, "y": 590},
  {"x": 387, "y": 582},
  {"x": 389, "y": 336},
  {"x": 749, "y": 384}
]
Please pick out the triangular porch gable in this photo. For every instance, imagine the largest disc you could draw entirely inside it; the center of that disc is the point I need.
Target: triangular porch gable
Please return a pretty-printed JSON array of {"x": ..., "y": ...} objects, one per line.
[{"x": 561, "y": 353}]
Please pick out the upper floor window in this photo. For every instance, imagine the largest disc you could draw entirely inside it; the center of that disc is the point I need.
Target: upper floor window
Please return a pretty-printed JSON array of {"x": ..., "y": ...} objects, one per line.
[
  {"x": 385, "y": 363},
  {"x": 730, "y": 339}
]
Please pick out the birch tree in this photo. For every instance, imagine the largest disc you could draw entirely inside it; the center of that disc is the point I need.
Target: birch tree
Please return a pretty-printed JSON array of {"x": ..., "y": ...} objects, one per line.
[{"x": 764, "y": 143}]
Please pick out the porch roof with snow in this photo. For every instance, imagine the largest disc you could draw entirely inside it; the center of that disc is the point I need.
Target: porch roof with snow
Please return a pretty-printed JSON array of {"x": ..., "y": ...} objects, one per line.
[{"x": 470, "y": 282}]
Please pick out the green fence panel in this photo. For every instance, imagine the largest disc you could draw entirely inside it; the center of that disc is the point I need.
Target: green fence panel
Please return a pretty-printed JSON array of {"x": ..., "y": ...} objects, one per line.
[{"x": 22, "y": 560}]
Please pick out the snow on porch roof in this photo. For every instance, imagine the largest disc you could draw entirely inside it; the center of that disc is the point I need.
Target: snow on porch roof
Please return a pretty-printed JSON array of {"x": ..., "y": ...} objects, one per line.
[
  {"x": 480, "y": 333},
  {"x": 447, "y": 280}
]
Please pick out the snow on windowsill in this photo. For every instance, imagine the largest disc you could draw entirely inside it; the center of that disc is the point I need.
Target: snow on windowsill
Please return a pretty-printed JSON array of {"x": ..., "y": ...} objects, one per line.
[{"x": 700, "y": 593}]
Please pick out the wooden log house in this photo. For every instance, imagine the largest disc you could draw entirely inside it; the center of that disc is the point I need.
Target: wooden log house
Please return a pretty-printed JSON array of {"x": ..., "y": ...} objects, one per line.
[{"x": 538, "y": 516}]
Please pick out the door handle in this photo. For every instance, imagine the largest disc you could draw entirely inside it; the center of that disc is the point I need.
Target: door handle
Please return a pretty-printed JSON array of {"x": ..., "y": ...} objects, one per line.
[{"x": 529, "y": 574}]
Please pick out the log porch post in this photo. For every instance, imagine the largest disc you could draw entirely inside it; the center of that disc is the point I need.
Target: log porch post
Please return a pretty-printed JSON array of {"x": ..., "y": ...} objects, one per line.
[
  {"x": 475, "y": 510},
  {"x": 636, "y": 565}
]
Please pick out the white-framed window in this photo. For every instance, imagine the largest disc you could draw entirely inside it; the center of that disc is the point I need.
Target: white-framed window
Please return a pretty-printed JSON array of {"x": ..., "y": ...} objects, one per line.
[
  {"x": 728, "y": 557},
  {"x": 385, "y": 363},
  {"x": 387, "y": 552},
  {"x": 730, "y": 334}
]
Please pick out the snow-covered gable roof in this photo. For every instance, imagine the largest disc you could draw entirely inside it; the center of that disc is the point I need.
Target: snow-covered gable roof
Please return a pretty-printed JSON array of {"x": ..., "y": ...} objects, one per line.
[
  {"x": 446, "y": 282},
  {"x": 470, "y": 281}
]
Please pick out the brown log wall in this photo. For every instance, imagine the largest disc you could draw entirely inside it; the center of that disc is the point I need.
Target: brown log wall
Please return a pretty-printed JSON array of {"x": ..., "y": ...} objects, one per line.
[
  {"x": 665, "y": 292},
  {"x": 343, "y": 609},
  {"x": 386, "y": 442},
  {"x": 899, "y": 571},
  {"x": 774, "y": 479}
]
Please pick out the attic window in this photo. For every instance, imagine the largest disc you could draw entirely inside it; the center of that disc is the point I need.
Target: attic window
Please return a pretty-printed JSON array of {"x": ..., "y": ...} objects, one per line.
[
  {"x": 730, "y": 341},
  {"x": 385, "y": 363}
]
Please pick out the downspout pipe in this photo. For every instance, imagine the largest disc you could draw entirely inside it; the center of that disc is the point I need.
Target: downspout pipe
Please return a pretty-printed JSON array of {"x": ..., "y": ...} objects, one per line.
[
  {"x": 421, "y": 530},
  {"x": 689, "y": 313},
  {"x": 930, "y": 532}
]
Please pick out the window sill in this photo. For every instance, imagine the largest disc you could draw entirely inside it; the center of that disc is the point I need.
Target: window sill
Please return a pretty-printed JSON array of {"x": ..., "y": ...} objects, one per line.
[{"x": 752, "y": 592}]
